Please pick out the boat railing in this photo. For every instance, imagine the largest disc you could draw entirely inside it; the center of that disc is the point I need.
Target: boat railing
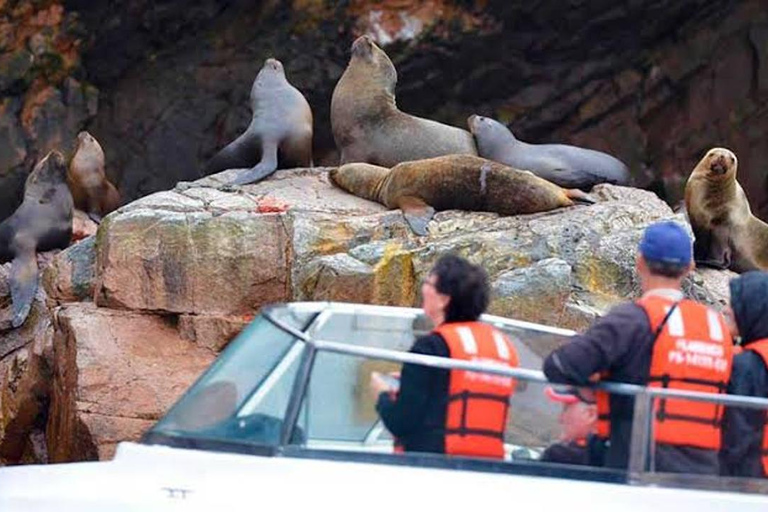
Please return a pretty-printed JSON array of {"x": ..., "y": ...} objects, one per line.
[{"x": 640, "y": 460}]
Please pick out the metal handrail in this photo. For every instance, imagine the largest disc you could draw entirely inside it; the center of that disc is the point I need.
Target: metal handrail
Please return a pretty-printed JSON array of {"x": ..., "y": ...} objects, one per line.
[{"x": 523, "y": 374}]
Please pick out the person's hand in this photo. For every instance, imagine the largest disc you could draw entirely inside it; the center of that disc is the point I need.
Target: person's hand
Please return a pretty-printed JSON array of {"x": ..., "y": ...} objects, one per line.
[{"x": 378, "y": 384}]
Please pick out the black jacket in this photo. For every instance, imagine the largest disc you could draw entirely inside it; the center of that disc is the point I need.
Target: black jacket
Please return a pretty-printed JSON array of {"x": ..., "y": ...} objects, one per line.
[
  {"x": 591, "y": 452},
  {"x": 417, "y": 417},
  {"x": 743, "y": 428},
  {"x": 621, "y": 343}
]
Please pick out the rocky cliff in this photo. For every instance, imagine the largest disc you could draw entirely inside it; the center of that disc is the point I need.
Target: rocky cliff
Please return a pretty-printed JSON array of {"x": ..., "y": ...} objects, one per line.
[
  {"x": 127, "y": 318},
  {"x": 164, "y": 84}
]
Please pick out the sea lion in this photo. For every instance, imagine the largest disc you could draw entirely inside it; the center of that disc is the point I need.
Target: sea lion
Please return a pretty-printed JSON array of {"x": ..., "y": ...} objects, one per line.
[
  {"x": 91, "y": 190},
  {"x": 453, "y": 182},
  {"x": 280, "y": 133},
  {"x": 42, "y": 222},
  {"x": 367, "y": 125},
  {"x": 726, "y": 233},
  {"x": 564, "y": 165}
]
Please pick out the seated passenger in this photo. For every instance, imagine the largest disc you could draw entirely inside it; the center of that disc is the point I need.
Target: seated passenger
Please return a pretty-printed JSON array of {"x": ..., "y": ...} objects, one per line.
[
  {"x": 452, "y": 411},
  {"x": 744, "y": 449},
  {"x": 661, "y": 340},
  {"x": 578, "y": 442}
]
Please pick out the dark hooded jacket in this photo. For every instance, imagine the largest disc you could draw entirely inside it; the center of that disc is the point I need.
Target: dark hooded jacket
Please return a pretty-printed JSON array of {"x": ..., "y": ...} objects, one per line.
[{"x": 743, "y": 428}]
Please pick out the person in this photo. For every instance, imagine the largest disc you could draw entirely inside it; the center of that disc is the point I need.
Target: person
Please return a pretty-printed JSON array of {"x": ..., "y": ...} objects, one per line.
[
  {"x": 744, "y": 449},
  {"x": 578, "y": 443},
  {"x": 660, "y": 340},
  {"x": 452, "y": 411}
]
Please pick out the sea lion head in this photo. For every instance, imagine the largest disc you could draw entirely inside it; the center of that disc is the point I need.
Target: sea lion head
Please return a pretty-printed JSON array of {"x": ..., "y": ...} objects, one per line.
[
  {"x": 489, "y": 134},
  {"x": 50, "y": 170},
  {"x": 87, "y": 141},
  {"x": 362, "y": 180},
  {"x": 718, "y": 164},
  {"x": 271, "y": 74},
  {"x": 374, "y": 61}
]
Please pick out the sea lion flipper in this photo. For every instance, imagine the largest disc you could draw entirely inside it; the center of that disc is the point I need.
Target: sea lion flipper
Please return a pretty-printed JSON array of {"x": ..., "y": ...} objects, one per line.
[
  {"x": 267, "y": 166},
  {"x": 23, "y": 283},
  {"x": 579, "y": 196},
  {"x": 417, "y": 213},
  {"x": 718, "y": 252}
]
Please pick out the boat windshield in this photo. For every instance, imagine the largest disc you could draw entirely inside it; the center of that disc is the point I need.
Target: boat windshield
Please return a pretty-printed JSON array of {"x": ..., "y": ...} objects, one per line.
[{"x": 297, "y": 378}]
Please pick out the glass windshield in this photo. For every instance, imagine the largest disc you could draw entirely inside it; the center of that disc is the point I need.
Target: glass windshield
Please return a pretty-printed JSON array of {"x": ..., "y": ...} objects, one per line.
[{"x": 243, "y": 395}]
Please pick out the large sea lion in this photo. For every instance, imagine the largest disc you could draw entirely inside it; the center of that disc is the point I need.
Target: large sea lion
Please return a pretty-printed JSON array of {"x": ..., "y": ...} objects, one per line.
[
  {"x": 91, "y": 190},
  {"x": 42, "y": 222},
  {"x": 727, "y": 235},
  {"x": 564, "y": 165},
  {"x": 367, "y": 125},
  {"x": 453, "y": 182},
  {"x": 280, "y": 133}
]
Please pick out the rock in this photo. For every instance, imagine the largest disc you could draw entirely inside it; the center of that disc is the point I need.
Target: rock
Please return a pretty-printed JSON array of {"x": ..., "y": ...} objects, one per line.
[
  {"x": 195, "y": 262},
  {"x": 522, "y": 292},
  {"x": 82, "y": 226},
  {"x": 13, "y": 147},
  {"x": 71, "y": 275},
  {"x": 211, "y": 332},
  {"x": 114, "y": 374},
  {"x": 177, "y": 274},
  {"x": 339, "y": 278},
  {"x": 25, "y": 381},
  {"x": 25, "y": 370}
]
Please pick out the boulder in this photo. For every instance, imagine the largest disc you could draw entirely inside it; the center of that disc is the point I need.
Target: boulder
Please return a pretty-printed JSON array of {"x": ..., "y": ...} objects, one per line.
[
  {"x": 115, "y": 373},
  {"x": 144, "y": 305}
]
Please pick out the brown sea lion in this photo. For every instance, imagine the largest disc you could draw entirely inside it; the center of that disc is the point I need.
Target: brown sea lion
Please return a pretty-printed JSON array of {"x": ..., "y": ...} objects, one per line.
[
  {"x": 42, "y": 222},
  {"x": 367, "y": 125},
  {"x": 453, "y": 182},
  {"x": 564, "y": 165},
  {"x": 727, "y": 234},
  {"x": 91, "y": 190},
  {"x": 280, "y": 133}
]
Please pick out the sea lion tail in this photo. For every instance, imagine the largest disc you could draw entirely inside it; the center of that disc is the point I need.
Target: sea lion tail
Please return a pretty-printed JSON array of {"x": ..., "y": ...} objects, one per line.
[
  {"x": 579, "y": 196},
  {"x": 23, "y": 281}
]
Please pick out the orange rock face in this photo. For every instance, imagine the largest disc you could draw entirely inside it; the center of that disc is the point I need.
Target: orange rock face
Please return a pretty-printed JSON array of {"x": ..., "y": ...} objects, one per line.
[{"x": 115, "y": 374}]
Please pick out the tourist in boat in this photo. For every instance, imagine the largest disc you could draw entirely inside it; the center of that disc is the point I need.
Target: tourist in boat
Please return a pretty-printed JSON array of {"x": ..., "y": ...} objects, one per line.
[
  {"x": 648, "y": 342},
  {"x": 578, "y": 443},
  {"x": 744, "y": 449},
  {"x": 452, "y": 411}
]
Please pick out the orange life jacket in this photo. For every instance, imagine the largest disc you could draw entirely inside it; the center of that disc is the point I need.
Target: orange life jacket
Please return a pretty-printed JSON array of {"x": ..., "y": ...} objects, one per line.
[
  {"x": 692, "y": 351},
  {"x": 477, "y": 402},
  {"x": 761, "y": 348},
  {"x": 603, "y": 423}
]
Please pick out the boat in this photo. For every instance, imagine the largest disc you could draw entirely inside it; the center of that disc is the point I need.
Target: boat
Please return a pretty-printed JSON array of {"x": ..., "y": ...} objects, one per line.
[{"x": 283, "y": 418}]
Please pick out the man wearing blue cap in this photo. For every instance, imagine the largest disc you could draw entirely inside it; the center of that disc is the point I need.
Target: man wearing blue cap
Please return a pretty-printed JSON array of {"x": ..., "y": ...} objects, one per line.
[{"x": 660, "y": 340}]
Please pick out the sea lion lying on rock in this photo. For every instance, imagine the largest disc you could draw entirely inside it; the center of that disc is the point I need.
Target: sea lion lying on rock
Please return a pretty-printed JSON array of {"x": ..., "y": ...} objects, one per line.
[
  {"x": 42, "y": 222},
  {"x": 367, "y": 125},
  {"x": 564, "y": 165},
  {"x": 460, "y": 182},
  {"x": 727, "y": 234}
]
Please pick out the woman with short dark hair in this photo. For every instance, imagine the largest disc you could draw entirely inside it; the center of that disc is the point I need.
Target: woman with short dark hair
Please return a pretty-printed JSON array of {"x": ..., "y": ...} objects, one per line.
[{"x": 431, "y": 411}]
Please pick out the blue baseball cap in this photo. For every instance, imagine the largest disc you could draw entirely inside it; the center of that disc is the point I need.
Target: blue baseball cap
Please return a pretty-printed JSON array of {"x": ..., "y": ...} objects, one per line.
[{"x": 666, "y": 242}]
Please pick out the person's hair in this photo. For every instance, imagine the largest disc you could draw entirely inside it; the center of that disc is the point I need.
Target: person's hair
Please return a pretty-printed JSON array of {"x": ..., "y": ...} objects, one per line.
[
  {"x": 467, "y": 286},
  {"x": 672, "y": 270}
]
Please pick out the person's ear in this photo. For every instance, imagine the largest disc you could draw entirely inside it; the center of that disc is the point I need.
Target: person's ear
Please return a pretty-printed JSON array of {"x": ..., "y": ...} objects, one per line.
[
  {"x": 640, "y": 263},
  {"x": 591, "y": 412}
]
